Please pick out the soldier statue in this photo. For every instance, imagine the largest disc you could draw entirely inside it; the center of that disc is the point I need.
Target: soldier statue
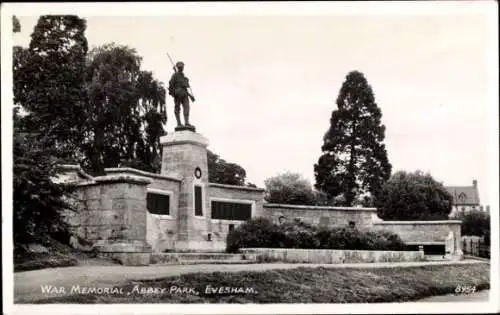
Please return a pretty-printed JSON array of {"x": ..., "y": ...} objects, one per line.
[{"x": 179, "y": 89}]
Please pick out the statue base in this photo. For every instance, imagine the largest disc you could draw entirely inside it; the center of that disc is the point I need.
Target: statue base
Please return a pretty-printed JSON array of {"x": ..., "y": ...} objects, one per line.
[{"x": 183, "y": 128}]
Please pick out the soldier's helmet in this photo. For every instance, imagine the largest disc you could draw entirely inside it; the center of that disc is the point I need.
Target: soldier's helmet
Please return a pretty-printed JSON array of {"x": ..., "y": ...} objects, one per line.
[{"x": 179, "y": 64}]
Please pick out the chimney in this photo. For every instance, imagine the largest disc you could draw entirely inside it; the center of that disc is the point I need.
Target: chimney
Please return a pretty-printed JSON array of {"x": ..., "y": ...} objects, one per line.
[{"x": 474, "y": 183}]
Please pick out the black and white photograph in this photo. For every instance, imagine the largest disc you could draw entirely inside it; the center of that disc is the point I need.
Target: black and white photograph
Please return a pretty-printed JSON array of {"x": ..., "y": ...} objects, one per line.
[{"x": 250, "y": 157}]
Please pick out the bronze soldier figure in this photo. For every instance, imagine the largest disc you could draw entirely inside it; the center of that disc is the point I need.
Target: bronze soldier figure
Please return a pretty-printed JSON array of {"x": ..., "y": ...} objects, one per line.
[{"x": 178, "y": 88}]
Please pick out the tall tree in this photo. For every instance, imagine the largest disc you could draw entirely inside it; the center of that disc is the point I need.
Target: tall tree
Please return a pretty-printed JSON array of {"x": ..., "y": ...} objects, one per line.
[
  {"x": 38, "y": 201},
  {"x": 354, "y": 161},
  {"x": 50, "y": 82},
  {"x": 125, "y": 111},
  {"x": 19, "y": 60}
]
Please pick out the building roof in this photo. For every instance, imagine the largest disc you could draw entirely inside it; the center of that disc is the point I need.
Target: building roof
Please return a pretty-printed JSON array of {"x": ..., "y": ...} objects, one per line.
[{"x": 464, "y": 195}]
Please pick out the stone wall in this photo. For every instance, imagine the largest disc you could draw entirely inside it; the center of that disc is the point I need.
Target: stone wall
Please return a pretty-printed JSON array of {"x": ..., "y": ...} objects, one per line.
[
  {"x": 331, "y": 256},
  {"x": 321, "y": 216},
  {"x": 427, "y": 233},
  {"x": 220, "y": 228},
  {"x": 422, "y": 232},
  {"x": 111, "y": 208},
  {"x": 161, "y": 229},
  {"x": 111, "y": 215}
]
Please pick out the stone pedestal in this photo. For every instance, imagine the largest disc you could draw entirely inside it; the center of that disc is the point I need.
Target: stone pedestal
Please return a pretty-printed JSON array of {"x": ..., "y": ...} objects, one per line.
[
  {"x": 185, "y": 155},
  {"x": 185, "y": 128}
]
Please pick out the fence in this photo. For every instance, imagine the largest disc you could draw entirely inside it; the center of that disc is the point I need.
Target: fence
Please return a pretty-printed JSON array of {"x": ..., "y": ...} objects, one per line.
[
  {"x": 475, "y": 246},
  {"x": 484, "y": 251}
]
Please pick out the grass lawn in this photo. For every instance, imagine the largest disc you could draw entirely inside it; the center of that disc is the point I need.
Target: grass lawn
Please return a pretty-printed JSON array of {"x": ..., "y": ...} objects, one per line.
[{"x": 301, "y": 285}]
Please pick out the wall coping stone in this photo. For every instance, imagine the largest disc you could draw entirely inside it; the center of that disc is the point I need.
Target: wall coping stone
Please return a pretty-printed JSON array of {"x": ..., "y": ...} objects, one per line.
[
  {"x": 74, "y": 167},
  {"x": 121, "y": 178},
  {"x": 260, "y": 249},
  {"x": 86, "y": 183},
  {"x": 236, "y": 187},
  {"x": 171, "y": 176},
  {"x": 305, "y": 207},
  {"x": 435, "y": 222},
  {"x": 426, "y": 243}
]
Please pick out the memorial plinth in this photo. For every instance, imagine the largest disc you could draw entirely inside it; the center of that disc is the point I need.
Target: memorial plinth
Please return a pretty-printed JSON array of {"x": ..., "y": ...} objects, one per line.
[
  {"x": 185, "y": 128},
  {"x": 185, "y": 154}
]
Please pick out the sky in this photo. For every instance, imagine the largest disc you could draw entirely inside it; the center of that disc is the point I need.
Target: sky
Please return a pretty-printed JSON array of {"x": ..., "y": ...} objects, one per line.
[{"x": 266, "y": 85}]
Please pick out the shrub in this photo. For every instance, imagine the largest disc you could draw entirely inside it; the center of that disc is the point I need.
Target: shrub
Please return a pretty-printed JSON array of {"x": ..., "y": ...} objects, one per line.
[
  {"x": 262, "y": 233},
  {"x": 348, "y": 238},
  {"x": 413, "y": 196},
  {"x": 258, "y": 232}
]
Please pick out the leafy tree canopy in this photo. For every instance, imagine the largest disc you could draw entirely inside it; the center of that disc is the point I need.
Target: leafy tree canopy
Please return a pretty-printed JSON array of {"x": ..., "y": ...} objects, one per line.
[
  {"x": 222, "y": 172},
  {"x": 125, "y": 111},
  {"x": 49, "y": 82},
  {"x": 410, "y": 196},
  {"x": 289, "y": 188}
]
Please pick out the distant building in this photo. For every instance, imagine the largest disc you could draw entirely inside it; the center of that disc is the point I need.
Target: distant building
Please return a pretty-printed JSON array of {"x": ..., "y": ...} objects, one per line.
[{"x": 465, "y": 198}]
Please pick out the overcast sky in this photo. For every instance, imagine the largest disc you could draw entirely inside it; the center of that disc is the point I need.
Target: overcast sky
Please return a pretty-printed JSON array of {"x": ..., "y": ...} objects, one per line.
[{"x": 266, "y": 85}]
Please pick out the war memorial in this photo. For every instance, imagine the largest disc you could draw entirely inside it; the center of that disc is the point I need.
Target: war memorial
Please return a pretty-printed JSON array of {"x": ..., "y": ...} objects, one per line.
[{"x": 139, "y": 218}]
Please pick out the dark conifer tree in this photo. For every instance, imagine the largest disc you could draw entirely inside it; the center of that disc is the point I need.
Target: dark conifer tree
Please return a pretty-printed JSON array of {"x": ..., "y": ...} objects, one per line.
[{"x": 354, "y": 162}]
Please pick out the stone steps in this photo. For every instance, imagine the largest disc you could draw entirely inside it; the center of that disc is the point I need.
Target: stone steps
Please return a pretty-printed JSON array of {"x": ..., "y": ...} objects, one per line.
[
  {"x": 201, "y": 258},
  {"x": 434, "y": 257}
]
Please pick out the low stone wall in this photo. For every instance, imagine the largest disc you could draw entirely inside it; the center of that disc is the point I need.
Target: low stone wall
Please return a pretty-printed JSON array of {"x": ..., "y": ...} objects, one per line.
[
  {"x": 180, "y": 258},
  {"x": 422, "y": 232},
  {"x": 220, "y": 228},
  {"x": 332, "y": 256},
  {"x": 442, "y": 232},
  {"x": 321, "y": 216}
]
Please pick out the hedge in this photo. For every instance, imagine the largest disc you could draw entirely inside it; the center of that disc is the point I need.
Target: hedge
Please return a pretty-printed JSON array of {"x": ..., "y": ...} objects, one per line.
[{"x": 262, "y": 233}]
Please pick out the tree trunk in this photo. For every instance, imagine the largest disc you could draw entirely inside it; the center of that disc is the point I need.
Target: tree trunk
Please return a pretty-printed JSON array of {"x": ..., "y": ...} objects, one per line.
[{"x": 349, "y": 195}]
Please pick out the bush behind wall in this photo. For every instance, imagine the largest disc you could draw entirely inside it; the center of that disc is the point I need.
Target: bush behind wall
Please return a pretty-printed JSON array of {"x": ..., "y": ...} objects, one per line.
[{"x": 262, "y": 233}]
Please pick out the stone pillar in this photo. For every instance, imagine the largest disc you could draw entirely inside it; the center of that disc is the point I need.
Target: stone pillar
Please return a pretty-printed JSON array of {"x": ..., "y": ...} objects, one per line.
[
  {"x": 185, "y": 155},
  {"x": 458, "y": 253}
]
